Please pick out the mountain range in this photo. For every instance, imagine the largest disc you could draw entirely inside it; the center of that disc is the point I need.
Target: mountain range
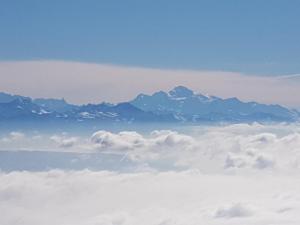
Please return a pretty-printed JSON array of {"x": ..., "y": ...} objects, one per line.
[{"x": 180, "y": 105}]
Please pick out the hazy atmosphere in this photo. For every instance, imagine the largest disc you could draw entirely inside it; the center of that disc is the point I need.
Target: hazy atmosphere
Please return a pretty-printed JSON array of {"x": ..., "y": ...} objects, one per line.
[
  {"x": 90, "y": 82},
  {"x": 149, "y": 112}
]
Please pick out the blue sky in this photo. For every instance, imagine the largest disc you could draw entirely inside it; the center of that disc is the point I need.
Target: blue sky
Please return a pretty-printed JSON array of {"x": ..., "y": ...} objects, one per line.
[{"x": 260, "y": 37}]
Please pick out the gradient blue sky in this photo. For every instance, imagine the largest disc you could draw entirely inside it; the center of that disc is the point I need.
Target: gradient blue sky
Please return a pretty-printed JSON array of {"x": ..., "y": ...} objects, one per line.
[{"x": 256, "y": 36}]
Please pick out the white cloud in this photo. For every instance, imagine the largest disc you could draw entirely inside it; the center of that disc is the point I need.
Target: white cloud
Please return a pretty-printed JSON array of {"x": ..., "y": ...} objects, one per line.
[
  {"x": 158, "y": 144},
  {"x": 249, "y": 159},
  {"x": 213, "y": 149},
  {"x": 123, "y": 141},
  {"x": 235, "y": 174},
  {"x": 234, "y": 210},
  {"x": 263, "y": 161},
  {"x": 13, "y": 136},
  {"x": 168, "y": 138},
  {"x": 16, "y": 135},
  {"x": 35, "y": 141},
  {"x": 94, "y": 198},
  {"x": 63, "y": 141},
  {"x": 258, "y": 147}
]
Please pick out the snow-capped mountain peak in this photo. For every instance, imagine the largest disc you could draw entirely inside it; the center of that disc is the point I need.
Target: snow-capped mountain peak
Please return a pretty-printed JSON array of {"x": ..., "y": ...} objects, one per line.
[
  {"x": 189, "y": 105},
  {"x": 178, "y": 105},
  {"x": 181, "y": 92}
]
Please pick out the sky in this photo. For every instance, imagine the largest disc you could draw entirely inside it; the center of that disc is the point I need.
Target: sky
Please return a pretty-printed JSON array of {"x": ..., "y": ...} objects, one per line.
[
  {"x": 237, "y": 39},
  {"x": 247, "y": 36}
]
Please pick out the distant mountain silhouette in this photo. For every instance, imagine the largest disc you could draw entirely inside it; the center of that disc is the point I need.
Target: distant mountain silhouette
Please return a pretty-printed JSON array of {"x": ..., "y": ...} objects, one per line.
[
  {"x": 180, "y": 105},
  {"x": 187, "y": 105}
]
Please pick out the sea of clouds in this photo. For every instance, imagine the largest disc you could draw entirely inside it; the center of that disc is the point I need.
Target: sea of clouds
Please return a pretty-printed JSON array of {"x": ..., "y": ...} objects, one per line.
[
  {"x": 211, "y": 149},
  {"x": 233, "y": 174},
  {"x": 162, "y": 198}
]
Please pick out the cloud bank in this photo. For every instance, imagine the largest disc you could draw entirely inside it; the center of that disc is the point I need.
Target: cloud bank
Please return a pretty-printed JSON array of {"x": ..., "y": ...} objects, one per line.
[
  {"x": 226, "y": 175},
  {"x": 220, "y": 149},
  {"x": 106, "y": 198},
  {"x": 87, "y": 82}
]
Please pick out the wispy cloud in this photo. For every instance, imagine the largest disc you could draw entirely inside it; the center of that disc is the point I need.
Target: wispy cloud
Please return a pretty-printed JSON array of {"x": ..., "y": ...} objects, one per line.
[
  {"x": 87, "y": 82},
  {"x": 290, "y": 76}
]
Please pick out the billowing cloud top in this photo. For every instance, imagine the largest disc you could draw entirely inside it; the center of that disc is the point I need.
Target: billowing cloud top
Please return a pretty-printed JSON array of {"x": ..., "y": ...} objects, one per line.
[
  {"x": 230, "y": 148},
  {"x": 237, "y": 174}
]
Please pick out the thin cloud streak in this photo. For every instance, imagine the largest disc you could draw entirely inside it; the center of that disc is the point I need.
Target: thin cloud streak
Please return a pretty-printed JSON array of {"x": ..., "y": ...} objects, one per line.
[
  {"x": 289, "y": 76},
  {"x": 87, "y": 82}
]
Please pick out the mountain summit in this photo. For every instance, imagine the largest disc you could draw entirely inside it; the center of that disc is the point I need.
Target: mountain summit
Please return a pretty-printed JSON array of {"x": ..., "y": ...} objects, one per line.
[
  {"x": 181, "y": 92},
  {"x": 186, "y": 105}
]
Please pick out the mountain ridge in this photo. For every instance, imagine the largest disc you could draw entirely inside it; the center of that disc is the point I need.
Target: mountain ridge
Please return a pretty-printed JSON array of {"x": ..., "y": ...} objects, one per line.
[
  {"x": 178, "y": 105},
  {"x": 190, "y": 106}
]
